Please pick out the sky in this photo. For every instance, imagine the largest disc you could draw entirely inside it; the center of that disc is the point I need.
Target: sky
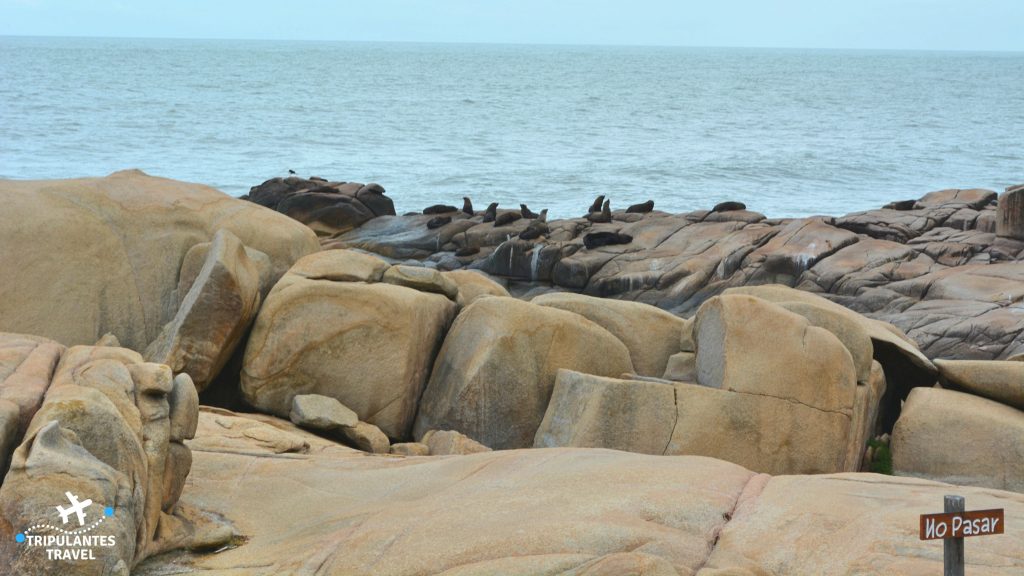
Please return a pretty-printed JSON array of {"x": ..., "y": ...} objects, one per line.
[{"x": 866, "y": 24}]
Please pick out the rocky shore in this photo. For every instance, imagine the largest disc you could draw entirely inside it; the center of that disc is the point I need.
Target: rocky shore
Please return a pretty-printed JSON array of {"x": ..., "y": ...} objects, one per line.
[{"x": 304, "y": 382}]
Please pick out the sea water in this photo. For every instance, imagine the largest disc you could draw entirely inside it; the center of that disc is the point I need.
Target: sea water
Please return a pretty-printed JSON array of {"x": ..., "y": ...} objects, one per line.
[{"x": 788, "y": 132}]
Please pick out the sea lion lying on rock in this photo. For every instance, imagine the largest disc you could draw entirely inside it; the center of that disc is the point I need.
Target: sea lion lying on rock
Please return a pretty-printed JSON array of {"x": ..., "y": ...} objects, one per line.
[
  {"x": 901, "y": 205},
  {"x": 598, "y": 239},
  {"x": 438, "y": 221},
  {"x": 535, "y": 230},
  {"x": 506, "y": 218},
  {"x": 526, "y": 212},
  {"x": 729, "y": 206},
  {"x": 440, "y": 209},
  {"x": 642, "y": 208},
  {"x": 596, "y": 206}
]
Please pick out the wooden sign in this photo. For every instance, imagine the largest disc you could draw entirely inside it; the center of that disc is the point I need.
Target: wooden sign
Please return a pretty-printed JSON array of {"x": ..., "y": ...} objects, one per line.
[{"x": 962, "y": 524}]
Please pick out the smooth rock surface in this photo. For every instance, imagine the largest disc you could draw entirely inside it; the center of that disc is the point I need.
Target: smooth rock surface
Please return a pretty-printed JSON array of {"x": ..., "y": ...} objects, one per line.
[
  {"x": 956, "y": 437},
  {"x": 374, "y": 355},
  {"x": 493, "y": 377},
  {"x": 117, "y": 257}
]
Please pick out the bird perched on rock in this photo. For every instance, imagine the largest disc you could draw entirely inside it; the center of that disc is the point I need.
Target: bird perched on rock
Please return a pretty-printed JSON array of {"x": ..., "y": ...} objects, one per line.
[
  {"x": 643, "y": 208},
  {"x": 526, "y": 212},
  {"x": 506, "y": 218},
  {"x": 598, "y": 239},
  {"x": 290, "y": 171},
  {"x": 605, "y": 215},
  {"x": 467, "y": 205},
  {"x": 491, "y": 213},
  {"x": 438, "y": 221},
  {"x": 729, "y": 206},
  {"x": 596, "y": 206}
]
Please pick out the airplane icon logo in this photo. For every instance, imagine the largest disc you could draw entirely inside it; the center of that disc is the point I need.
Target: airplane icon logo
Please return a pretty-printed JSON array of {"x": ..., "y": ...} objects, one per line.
[{"x": 77, "y": 508}]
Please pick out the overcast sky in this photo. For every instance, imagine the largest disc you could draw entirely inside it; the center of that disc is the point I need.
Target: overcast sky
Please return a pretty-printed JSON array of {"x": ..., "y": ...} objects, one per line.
[{"x": 899, "y": 24}]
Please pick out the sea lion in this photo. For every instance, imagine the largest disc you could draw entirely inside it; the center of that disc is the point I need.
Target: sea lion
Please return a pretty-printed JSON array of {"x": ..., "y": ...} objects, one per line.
[
  {"x": 901, "y": 205},
  {"x": 440, "y": 209},
  {"x": 534, "y": 230},
  {"x": 526, "y": 212},
  {"x": 438, "y": 221},
  {"x": 643, "y": 208},
  {"x": 506, "y": 218},
  {"x": 467, "y": 206},
  {"x": 729, "y": 206},
  {"x": 605, "y": 215},
  {"x": 491, "y": 213},
  {"x": 598, "y": 239},
  {"x": 466, "y": 251},
  {"x": 596, "y": 206},
  {"x": 543, "y": 215}
]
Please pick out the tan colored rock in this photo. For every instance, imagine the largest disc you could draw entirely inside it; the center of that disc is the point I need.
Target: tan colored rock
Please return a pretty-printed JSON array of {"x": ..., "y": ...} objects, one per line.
[
  {"x": 121, "y": 244},
  {"x": 107, "y": 431},
  {"x": 410, "y": 449},
  {"x": 955, "y": 437},
  {"x": 214, "y": 314},
  {"x": 374, "y": 355},
  {"x": 447, "y": 442},
  {"x": 1010, "y": 213},
  {"x": 340, "y": 266},
  {"x": 765, "y": 433},
  {"x": 516, "y": 513},
  {"x": 195, "y": 260},
  {"x": 751, "y": 346},
  {"x": 27, "y": 364},
  {"x": 473, "y": 284},
  {"x": 845, "y": 327},
  {"x": 843, "y": 524},
  {"x": 686, "y": 343},
  {"x": 681, "y": 367},
  {"x": 493, "y": 377},
  {"x": 999, "y": 381},
  {"x": 183, "y": 406},
  {"x": 650, "y": 333},
  {"x": 422, "y": 279},
  {"x": 560, "y": 511},
  {"x": 594, "y": 412},
  {"x": 366, "y": 437},
  {"x": 865, "y": 416},
  {"x": 316, "y": 412}
]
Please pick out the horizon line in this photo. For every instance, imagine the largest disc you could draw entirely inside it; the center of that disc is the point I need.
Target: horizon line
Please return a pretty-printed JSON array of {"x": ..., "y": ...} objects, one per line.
[{"x": 550, "y": 44}]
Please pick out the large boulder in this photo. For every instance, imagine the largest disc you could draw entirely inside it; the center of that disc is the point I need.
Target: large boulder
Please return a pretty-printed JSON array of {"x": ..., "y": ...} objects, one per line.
[
  {"x": 1010, "y": 214},
  {"x": 999, "y": 381},
  {"x": 594, "y": 412},
  {"x": 773, "y": 392},
  {"x": 956, "y": 437},
  {"x": 111, "y": 430},
  {"x": 368, "y": 345},
  {"x": 27, "y": 364},
  {"x": 214, "y": 314},
  {"x": 98, "y": 255},
  {"x": 495, "y": 372},
  {"x": 474, "y": 284},
  {"x": 650, "y": 334}
]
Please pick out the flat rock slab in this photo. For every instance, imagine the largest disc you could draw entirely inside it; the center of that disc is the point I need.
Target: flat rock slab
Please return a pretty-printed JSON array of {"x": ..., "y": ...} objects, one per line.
[{"x": 555, "y": 511}]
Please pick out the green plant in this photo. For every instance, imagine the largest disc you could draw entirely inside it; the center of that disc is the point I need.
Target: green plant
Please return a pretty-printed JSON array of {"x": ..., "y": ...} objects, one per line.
[{"x": 881, "y": 462}]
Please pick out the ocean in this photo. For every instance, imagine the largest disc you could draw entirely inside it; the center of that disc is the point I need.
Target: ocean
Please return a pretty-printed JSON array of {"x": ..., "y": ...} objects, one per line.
[{"x": 788, "y": 132}]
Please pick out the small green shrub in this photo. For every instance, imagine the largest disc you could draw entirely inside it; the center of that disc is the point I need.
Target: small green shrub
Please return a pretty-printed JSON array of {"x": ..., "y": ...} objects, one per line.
[{"x": 881, "y": 463}]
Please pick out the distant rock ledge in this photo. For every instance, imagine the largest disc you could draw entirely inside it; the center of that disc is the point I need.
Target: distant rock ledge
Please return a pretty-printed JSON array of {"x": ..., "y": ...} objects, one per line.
[{"x": 948, "y": 268}]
